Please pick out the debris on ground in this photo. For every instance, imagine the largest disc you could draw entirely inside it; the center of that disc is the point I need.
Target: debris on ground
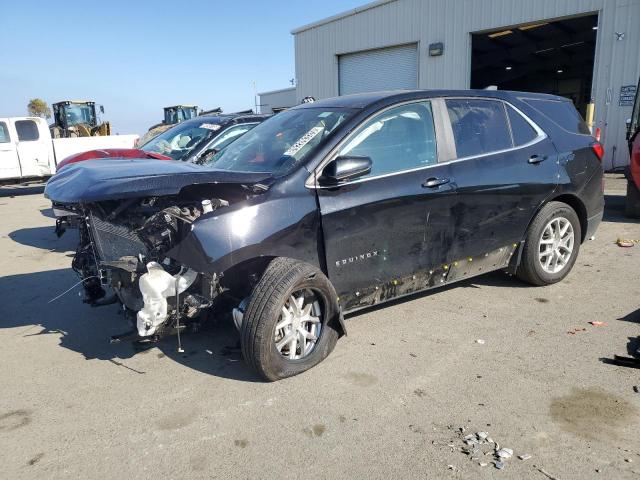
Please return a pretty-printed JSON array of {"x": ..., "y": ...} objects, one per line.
[
  {"x": 545, "y": 473},
  {"x": 598, "y": 324},
  {"x": 483, "y": 450},
  {"x": 524, "y": 456},
  {"x": 626, "y": 242},
  {"x": 505, "y": 453},
  {"x": 480, "y": 341},
  {"x": 636, "y": 389},
  {"x": 576, "y": 330}
]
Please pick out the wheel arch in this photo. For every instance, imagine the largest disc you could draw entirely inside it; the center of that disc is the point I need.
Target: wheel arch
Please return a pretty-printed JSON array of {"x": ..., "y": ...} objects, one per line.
[
  {"x": 575, "y": 203},
  {"x": 254, "y": 268},
  {"x": 578, "y": 206},
  {"x": 235, "y": 278}
]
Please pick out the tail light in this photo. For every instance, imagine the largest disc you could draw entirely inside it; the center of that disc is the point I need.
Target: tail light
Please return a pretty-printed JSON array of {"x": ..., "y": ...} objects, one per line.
[
  {"x": 598, "y": 149},
  {"x": 597, "y": 134}
]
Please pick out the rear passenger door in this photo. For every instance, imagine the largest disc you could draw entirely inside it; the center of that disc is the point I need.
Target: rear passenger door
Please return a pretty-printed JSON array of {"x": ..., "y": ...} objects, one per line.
[{"x": 504, "y": 168}]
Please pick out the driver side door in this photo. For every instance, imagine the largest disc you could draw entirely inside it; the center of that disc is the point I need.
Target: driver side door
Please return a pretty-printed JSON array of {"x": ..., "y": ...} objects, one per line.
[{"x": 387, "y": 233}]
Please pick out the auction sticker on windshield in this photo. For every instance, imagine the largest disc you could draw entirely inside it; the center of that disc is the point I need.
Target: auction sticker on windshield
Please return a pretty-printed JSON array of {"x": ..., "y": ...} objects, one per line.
[
  {"x": 210, "y": 126},
  {"x": 306, "y": 138}
]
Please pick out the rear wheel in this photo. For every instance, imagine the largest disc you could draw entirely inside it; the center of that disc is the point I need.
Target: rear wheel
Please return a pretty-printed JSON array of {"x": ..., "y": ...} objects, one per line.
[
  {"x": 551, "y": 245},
  {"x": 288, "y": 326}
]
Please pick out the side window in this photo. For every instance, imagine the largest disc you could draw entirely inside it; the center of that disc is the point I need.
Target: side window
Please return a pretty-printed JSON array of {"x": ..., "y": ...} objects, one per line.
[
  {"x": 479, "y": 126},
  {"x": 400, "y": 138},
  {"x": 561, "y": 112},
  {"x": 4, "y": 133},
  {"x": 27, "y": 130},
  {"x": 521, "y": 130}
]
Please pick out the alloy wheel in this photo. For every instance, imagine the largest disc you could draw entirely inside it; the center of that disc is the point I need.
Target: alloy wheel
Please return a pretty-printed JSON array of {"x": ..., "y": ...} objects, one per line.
[
  {"x": 299, "y": 326},
  {"x": 556, "y": 245}
]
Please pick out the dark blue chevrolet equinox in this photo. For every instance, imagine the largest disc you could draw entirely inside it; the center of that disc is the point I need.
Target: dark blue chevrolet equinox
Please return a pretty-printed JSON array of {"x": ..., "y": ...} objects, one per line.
[{"x": 335, "y": 206}]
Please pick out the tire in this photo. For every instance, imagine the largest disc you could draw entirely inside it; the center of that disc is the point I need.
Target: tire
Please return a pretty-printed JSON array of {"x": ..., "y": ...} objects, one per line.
[
  {"x": 283, "y": 278},
  {"x": 531, "y": 268},
  {"x": 632, "y": 201}
]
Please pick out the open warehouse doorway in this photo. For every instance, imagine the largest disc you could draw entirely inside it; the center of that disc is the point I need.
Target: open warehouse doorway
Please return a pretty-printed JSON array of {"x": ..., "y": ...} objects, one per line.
[{"x": 549, "y": 56}]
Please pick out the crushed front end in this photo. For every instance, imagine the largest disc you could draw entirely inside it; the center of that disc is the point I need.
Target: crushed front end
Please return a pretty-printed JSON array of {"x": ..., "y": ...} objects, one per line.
[
  {"x": 123, "y": 246},
  {"x": 130, "y": 214}
]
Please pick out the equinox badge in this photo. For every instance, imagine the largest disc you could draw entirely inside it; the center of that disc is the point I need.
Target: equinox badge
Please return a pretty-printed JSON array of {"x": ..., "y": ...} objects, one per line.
[{"x": 357, "y": 258}]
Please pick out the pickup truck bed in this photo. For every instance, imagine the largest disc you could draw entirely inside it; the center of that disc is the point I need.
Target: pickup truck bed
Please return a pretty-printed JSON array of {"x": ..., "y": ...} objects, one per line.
[{"x": 28, "y": 152}]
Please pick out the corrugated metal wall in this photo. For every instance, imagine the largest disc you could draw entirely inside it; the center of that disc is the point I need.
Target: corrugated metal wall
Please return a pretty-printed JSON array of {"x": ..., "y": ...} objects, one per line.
[{"x": 451, "y": 21}]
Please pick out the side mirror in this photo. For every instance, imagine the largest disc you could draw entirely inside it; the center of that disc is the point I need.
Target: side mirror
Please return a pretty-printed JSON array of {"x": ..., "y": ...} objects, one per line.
[{"x": 345, "y": 168}]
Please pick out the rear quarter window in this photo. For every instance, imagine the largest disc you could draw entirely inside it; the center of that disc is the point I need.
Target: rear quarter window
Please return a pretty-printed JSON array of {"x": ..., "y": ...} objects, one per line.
[
  {"x": 521, "y": 130},
  {"x": 27, "y": 130},
  {"x": 4, "y": 133},
  {"x": 562, "y": 113}
]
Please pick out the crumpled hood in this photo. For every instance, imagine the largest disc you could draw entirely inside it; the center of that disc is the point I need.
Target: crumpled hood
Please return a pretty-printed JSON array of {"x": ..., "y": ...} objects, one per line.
[{"x": 97, "y": 180}]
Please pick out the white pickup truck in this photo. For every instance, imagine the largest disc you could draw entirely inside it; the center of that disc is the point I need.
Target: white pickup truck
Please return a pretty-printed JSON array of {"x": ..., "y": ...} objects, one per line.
[{"x": 27, "y": 151}]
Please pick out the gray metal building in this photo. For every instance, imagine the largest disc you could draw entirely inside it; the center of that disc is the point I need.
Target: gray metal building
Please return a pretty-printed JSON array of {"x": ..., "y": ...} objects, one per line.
[
  {"x": 588, "y": 50},
  {"x": 277, "y": 100}
]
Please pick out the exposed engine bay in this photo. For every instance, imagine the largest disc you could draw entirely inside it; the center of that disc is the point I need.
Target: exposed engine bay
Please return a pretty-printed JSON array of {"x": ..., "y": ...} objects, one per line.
[{"x": 123, "y": 247}]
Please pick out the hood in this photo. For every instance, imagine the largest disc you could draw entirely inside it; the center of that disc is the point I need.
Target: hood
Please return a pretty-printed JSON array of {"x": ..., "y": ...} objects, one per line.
[
  {"x": 97, "y": 180},
  {"x": 110, "y": 153}
]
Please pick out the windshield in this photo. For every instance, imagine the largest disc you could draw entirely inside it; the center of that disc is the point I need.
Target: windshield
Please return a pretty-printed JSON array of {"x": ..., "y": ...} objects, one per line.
[
  {"x": 282, "y": 142},
  {"x": 179, "y": 141},
  {"x": 229, "y": 135},
  {"x": 77, "y": 114}
]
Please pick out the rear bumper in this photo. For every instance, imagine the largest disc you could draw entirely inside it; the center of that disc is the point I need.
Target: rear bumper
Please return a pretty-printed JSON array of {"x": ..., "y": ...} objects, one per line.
[{"x": 592, "y": 224}]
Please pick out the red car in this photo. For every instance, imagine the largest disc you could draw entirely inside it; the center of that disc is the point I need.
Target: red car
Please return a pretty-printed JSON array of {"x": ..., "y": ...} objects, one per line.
[
  {"x": 633, "y": 176},
  {"x": 111, "y": 153},
  {"x": 195, "y": 140}
]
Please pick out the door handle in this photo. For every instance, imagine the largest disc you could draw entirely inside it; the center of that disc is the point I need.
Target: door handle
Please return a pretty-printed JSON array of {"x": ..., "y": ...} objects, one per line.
[
  {"x": 434, "y": 182},
  {"x": 533, "y": 159}
]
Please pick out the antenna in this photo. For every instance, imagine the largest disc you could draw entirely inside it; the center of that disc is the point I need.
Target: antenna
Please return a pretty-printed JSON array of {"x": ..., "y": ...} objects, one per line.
[{"x": 255, "y": 97}]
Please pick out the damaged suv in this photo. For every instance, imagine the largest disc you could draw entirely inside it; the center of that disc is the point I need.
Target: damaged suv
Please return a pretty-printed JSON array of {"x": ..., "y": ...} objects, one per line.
[{"x": 334, "y": 206}]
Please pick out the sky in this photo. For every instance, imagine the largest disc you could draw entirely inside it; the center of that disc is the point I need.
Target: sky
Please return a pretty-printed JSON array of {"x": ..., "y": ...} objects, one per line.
[{"x": 136, "y": 57}]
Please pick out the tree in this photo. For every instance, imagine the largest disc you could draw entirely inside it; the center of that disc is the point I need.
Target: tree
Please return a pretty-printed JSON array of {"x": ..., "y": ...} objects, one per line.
[{"x": 38, "y": 108}]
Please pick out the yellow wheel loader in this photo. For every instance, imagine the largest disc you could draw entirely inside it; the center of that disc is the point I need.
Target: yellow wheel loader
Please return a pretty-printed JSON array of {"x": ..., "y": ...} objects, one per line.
[{"x": 77, "y": 118}]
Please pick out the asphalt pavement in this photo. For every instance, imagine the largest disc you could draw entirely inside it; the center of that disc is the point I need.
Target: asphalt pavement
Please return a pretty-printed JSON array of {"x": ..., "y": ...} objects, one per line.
[{"x": 396, "y": 398}]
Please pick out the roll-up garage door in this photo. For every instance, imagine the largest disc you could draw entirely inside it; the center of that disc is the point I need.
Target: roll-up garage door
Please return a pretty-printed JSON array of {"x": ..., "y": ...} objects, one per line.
[{"x": 393, "y": 68}]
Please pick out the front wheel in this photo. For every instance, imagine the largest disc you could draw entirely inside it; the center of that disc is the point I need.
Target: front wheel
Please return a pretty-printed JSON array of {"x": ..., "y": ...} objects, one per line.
[
  {"x": 288, "y": 326},
  {"x": 551, "y": 245}
]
